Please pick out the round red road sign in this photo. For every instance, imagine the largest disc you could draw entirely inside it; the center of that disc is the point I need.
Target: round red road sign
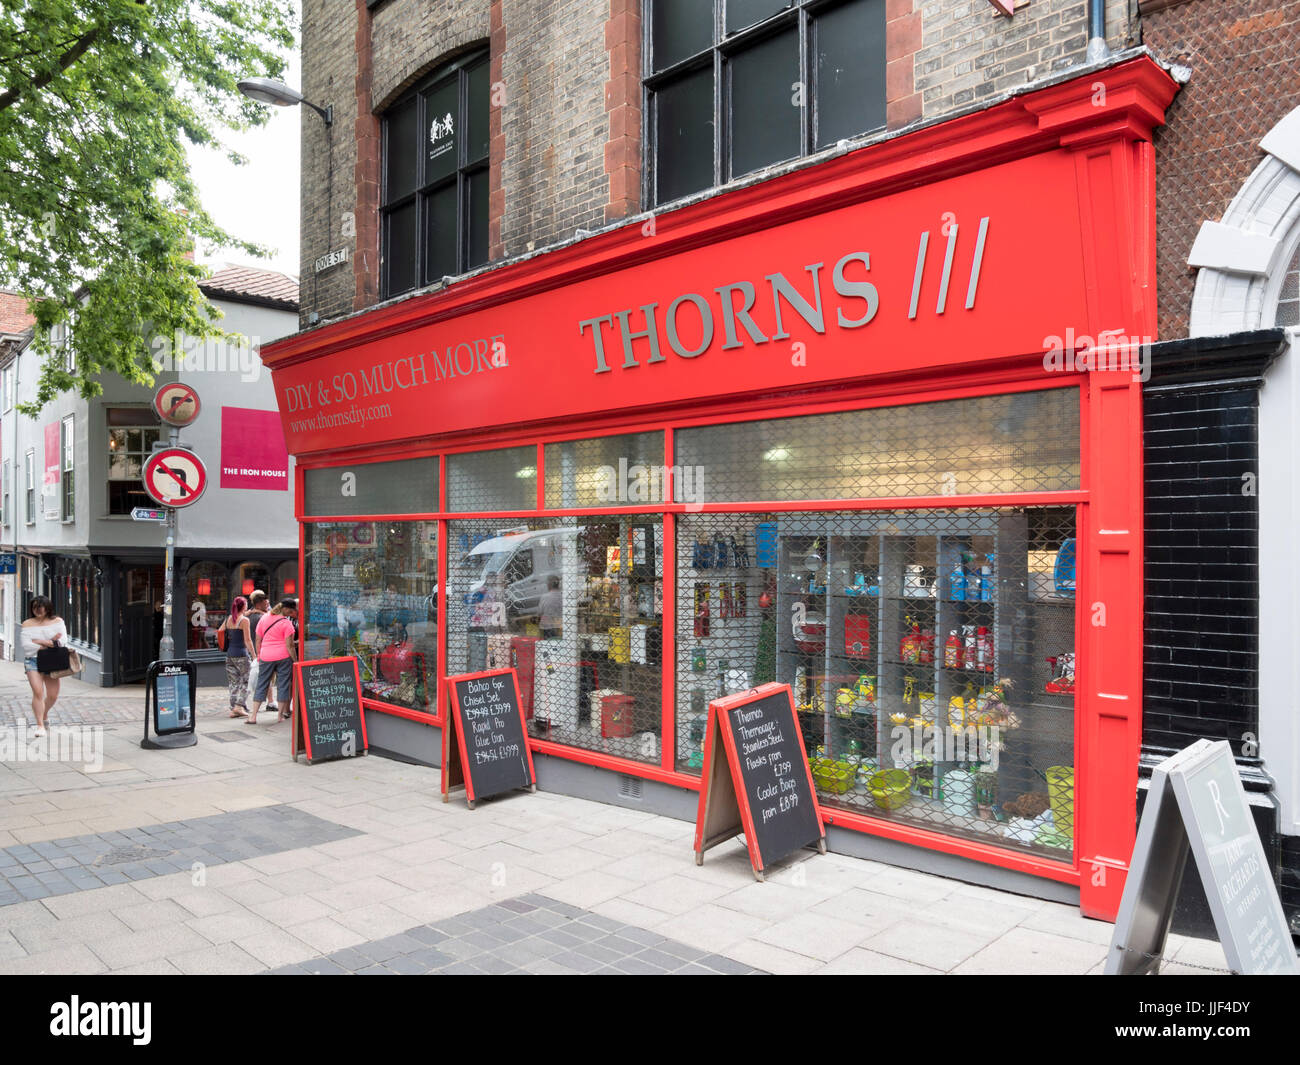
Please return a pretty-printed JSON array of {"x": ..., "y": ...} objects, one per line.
[
  {"x": 174, "y": 477},
  {"x": 176, "y": 404}
]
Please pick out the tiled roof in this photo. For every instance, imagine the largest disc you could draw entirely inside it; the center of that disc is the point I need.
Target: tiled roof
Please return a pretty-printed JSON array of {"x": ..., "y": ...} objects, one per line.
[
  {"x": 14, "y": 319},
  {"x": 253, "y": 285}
]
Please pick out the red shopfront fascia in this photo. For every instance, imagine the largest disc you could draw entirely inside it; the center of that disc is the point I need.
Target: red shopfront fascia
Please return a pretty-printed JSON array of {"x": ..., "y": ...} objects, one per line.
[{"x": 951, "y": 261}]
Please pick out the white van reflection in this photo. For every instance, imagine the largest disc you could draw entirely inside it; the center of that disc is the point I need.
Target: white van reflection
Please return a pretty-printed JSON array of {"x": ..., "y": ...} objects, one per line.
[{"x": 516, "y": 568}]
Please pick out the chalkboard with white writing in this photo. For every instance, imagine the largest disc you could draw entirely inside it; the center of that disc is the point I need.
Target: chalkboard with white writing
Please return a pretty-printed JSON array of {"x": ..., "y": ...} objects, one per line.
[
  {"x": 486, "y": 742},
  {"x": 329, "y": 718},
  {"x": 756, "y": 779}
]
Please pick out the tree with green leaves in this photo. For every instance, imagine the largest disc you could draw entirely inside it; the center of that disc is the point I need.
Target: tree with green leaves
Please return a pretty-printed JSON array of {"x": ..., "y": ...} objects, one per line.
[{"x": 98, "y": 212}]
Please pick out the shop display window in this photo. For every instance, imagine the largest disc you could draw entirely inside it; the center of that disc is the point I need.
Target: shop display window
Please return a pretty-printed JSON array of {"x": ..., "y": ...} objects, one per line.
[
  {"x": 1023, "y": 442},
  {"x": 930, "y": 653},
  {"x": 493, "y": 480},
  {"x": 575, "y": 606},
  {"x": 405, "y": 486},
  {"x": 208, "y": 595},
  {"x": 607, "y": 471},
  {"x": 370, "y": 592}
]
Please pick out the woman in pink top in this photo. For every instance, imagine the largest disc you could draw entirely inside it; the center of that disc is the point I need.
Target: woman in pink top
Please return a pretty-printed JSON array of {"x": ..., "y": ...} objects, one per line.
[{"x": 274, "y": 632}]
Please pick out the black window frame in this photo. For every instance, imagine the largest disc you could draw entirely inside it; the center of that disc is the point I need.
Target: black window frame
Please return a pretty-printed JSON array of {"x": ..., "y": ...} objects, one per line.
[
  {"x": 717, "y": 56},
  {"x": 458, "y": 70}
]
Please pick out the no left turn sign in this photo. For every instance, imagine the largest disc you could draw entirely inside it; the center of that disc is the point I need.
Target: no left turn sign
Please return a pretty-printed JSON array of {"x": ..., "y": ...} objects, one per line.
[{"x": 174, "y": 477}]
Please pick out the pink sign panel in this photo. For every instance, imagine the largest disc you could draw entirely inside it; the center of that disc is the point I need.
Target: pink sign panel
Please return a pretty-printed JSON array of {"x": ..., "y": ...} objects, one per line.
[
  {"x": 52, "y": 453},
  {"x": 253, "y": 452}
]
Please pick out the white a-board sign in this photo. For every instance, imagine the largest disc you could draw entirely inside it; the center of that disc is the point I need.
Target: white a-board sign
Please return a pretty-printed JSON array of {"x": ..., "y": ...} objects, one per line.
[{"x": 1196, "y": 801}]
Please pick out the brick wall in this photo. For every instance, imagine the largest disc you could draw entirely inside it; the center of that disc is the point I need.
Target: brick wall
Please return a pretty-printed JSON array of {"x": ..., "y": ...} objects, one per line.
[
  {"x": 329, "y": 77},
  {"x": 1245, "y": 78},
  {"x": 970, "y": 53},
  {"x": 554, "y": 121}
]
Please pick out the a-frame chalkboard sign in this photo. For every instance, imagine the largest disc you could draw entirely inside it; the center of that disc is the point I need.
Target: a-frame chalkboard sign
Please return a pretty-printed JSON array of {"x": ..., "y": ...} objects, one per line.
[
  {"x": 756, "y": 779},
  {"x": 328, "y": 719},
  {"x": 484, "y": 745},
  {"x": 1197, "y": 803}
]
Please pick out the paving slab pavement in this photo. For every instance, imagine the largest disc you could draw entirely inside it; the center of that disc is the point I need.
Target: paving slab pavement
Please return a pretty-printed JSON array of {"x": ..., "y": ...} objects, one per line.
[{"x": 229, "y": 857}]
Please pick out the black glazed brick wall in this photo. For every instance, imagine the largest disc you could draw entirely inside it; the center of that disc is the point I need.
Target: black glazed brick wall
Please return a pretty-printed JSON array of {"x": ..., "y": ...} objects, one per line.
[{"x": 1202, "y": 567}]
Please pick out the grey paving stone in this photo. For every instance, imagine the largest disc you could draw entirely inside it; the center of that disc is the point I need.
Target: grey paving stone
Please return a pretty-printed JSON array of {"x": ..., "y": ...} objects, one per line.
[
  {"x": 662, "y": 960},
  {"x": 681, "y": 950},
  {"x": 375, "y": 970},
  {"x": 325, "y": 967},
  {"x": 579, "y": 963},
  {"x": 495, "y": 964},
  {"x": 643, "y": 936},
  {"x": 427, "y": 934},
  {"x": 556, "y": 935},
  {"x": 605, "y": 924},
  {"x": 407, "y": 965},
  {"x": 562, "y": 908},
  {"x": 725, "y": 965},
  {"x": 454, "y": 926},
  {"x": 431, "y": 958},
  {"x": 638, "y": 967},
  {"x": 42, "y": 866},
  {"x": 602, "y": 954},
  {"x": 350, "y": 959},
  {"x": 525, "y": 926},
  {"x": 402, "y": 943},
  {"x": 694, "y": 970},
  {"x": 459, "y": 949},
  {"x": 518, "y": 905},
  {"x": 548, "y": 919}
]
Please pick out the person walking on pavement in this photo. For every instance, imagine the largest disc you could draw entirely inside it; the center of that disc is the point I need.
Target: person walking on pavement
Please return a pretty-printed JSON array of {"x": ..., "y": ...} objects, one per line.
[
  {"x": 43, "y": 629},
  {"x": 275, "y": 657},
  {"x": 259, "y": 607},
  {"x": 239, "y": 638}
]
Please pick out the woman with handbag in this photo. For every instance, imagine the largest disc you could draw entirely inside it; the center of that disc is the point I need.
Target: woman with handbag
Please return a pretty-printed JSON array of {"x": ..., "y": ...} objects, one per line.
[
  {"x": 42, "y": 633},
  {"x": 271, "y": 642},
  {"x": 235, "y": 637}
]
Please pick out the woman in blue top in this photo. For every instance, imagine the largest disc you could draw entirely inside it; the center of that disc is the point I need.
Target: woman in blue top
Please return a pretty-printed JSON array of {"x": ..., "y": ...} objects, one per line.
[{"x": 238, "y": 640}]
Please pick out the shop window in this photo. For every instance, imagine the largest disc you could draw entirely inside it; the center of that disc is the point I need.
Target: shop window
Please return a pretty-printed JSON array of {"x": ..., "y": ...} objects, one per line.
[
  {"x": 435, "y": 199},
  {"x": 67, "y": 440},
  {"x": 132, "y": 432},
  {"x": 575, "y": 606},
  {"x": 931, "y": 656},
  {"x": 75, "y": 593},
  {"x": 286, "y": 579},
  {"x": 738, "y": 85},
  {"x": 29, "y": 486},
  {"x": 408, "y": 486},
  {"x": 208, "y": 597},
  {"x": 371, "y": 592},
  {"x": 608, "y": 471},
  {"x": 253, "y": 577},
  {"x": 493, "y": 480},
  {"x": 1026, "y": 442}
]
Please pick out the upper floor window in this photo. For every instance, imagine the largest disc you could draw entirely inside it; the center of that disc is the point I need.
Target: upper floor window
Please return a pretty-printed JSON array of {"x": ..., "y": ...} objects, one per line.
[
  {"x": 8, "y": 378},
  {"x": 736, "y": 85},
  {"x": 132, "y": 433},
  {"x": 434, "y": 213},
  {"x": 67, "y": 440}
]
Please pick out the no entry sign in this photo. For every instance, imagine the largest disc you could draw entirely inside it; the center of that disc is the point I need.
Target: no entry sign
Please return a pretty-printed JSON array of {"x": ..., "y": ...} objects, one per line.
[{"x": 174, "y": 477}]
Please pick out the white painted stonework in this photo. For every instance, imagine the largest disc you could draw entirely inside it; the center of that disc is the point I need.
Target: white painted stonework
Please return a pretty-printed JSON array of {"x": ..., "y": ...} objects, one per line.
[{"x": 1243, "y": 260}]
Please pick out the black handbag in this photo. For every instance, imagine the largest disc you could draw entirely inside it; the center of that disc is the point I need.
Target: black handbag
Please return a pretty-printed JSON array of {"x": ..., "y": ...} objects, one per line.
[{"x": 52, "y": 659}]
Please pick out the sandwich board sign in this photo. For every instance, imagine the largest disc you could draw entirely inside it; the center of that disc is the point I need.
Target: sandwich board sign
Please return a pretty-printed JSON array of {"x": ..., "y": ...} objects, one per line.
[
  {"x": 756, "y": 779},
  {"x": 1197, "y": 802}
]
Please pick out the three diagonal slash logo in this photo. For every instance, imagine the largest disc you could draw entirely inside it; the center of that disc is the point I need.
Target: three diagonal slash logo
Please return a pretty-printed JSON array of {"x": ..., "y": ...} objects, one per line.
[{"x": 174, "y": 477}]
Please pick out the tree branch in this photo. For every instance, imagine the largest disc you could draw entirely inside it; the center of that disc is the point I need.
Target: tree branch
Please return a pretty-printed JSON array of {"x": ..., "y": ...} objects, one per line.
[{"x": 8, "y": 98}]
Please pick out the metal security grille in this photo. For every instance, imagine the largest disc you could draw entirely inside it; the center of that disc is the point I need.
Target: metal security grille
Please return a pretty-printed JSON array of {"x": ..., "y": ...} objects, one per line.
[
  {"x": 931, "y": 656},
  {"x": 371, "y": 592},
  {"x": 575, "y": 606},
  {"x": 608, "y": 471},
  {"x": 1025, "y": 442},
  {"x": 493, "y": 480}
]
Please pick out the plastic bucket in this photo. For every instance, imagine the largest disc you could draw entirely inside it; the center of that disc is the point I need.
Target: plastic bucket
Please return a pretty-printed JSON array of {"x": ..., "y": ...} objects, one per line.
[
  {"x": 959, "y": 791},
  {"x": 1060, "y": 794}
]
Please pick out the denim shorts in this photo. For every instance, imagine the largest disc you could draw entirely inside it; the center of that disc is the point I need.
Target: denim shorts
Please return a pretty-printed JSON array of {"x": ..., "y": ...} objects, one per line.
[{"x": 29, "y": 664}]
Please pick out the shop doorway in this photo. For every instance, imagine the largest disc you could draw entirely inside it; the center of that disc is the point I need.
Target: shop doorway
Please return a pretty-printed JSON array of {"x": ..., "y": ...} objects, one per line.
[{"x": 140, "y": 592}]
